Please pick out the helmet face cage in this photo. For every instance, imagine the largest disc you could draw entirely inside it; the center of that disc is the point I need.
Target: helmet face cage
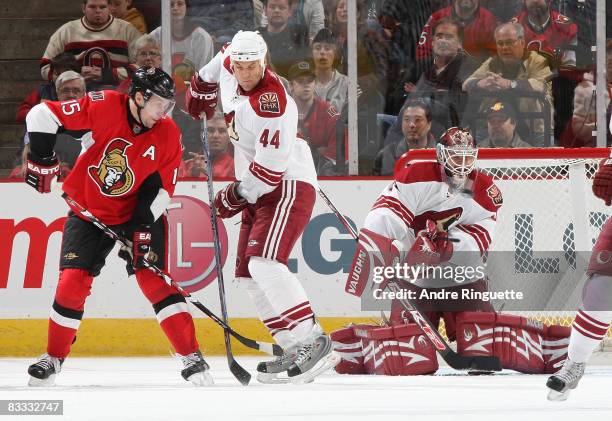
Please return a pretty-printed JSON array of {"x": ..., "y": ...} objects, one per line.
[{"x": 457, "y": 152}]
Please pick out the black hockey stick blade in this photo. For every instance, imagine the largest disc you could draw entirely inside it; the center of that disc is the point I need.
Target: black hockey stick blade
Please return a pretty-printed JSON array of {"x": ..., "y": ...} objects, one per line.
[
  {"x": 243, "y": 376},
  {"x": 481, "y": 362}
]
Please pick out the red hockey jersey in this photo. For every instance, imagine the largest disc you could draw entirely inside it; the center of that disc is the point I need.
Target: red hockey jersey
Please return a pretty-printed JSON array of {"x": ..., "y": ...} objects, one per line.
[
  {"x": 559, "y": 33},
  {"x": 478, "y": 38},
  {"x": 117, "y": 155}
]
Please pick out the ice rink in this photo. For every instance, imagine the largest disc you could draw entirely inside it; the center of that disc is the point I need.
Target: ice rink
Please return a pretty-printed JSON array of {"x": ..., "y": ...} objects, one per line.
[{"x": 102, "y": 389}]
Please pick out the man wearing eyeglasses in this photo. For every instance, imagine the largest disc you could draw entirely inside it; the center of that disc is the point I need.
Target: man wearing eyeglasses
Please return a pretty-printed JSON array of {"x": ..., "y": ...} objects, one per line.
[{"x": 513, "y": 74}]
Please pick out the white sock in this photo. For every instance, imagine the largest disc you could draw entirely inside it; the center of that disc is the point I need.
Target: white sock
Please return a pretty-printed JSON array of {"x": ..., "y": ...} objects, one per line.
[
  {"x": 267, "y": 315},
  {"x": 285, "y": 295}
]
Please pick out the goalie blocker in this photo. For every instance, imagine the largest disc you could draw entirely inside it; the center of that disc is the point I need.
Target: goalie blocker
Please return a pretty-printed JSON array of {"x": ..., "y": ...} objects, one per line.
[{"x": 521, "y": 344}]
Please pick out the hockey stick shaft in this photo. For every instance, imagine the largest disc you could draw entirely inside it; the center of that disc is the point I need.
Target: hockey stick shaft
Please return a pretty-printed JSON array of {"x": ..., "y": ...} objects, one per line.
[
  {"x": 242, "y": 375},
  {"x": 251, "y": 343},
  {"x": 453, "y": 359}
]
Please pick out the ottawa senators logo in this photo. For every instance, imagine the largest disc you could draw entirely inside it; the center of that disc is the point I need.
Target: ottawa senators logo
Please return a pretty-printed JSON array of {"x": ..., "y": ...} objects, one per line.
[{"x": 113, "y": 175}]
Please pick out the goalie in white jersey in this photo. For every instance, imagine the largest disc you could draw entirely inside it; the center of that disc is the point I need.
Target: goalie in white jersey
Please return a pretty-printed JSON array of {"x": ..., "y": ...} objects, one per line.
[
  {"x": 275, "y": 192},
  {"x": 442, "y": 215}
]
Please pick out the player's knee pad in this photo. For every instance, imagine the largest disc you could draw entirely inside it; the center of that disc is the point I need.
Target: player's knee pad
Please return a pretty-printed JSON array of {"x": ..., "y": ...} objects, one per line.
[
  {"x": 597, "y": 293},
  {"x": 73, "y": 287},
  {"x": 521, "y": 344},
  {"x": 400, "y": 350},
  {"x": 152, "y": 286}
]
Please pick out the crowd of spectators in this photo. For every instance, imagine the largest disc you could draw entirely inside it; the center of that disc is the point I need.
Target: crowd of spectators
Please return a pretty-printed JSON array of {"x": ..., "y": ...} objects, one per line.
[{"x": 518, "y": 73}]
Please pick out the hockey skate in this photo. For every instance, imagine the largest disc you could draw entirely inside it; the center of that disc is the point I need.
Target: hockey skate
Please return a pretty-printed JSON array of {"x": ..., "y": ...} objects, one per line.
[
  {"x": 196, "y": 369},
  {"x": 313, "y": 358},
  {"x": 43, "y": 372},
  {"x": 562, "y": 383},
  {"x": 269, "y": 371}
]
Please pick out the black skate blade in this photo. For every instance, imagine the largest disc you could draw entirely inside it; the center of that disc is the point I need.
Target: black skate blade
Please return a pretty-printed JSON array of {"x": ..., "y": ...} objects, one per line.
[{"x": 243, "y": 376}]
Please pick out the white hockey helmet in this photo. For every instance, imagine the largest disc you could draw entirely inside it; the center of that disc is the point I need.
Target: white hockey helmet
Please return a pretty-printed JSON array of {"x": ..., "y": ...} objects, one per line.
[{"x": 248, "y": 46}]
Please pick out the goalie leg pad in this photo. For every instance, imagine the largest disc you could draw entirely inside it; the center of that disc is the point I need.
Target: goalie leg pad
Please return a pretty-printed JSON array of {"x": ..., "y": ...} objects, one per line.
[
  {"x": 400, "y": 350},
  {"x": 521, "y": 344}
]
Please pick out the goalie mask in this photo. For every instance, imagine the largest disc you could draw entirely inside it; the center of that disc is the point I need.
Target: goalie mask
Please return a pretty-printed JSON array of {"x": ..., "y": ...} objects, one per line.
[{"x": 456, "y": 152}]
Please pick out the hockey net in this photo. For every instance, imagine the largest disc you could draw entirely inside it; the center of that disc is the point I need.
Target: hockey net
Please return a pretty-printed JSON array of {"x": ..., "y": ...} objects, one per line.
[{"x": 547, "y": 225}]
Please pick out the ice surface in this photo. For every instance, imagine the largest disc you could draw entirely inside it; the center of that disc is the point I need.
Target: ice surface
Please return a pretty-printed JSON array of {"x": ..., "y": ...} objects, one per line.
[{"x": 150, "y": 389}]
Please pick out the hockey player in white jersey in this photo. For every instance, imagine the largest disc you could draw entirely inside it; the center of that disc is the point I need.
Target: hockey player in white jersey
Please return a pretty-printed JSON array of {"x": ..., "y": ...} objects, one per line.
[
  {"x": 427, "y": 204},
  {"x": 595, "y": 315},
  {"x": 275, "y": 193}
]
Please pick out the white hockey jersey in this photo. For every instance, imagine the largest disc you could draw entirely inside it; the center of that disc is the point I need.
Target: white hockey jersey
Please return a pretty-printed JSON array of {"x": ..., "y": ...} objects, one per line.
[
  {"x": 263, "y": 129},
  {"x": 421, "y": 192}
]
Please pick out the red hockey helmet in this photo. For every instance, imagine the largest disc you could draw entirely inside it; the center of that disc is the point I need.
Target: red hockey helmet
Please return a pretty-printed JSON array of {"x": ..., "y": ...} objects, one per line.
[{"x": 457, "y": 152}]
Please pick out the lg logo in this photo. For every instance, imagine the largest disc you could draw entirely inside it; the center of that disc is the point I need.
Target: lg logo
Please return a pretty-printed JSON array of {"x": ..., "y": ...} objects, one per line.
[{"x": 192, "y": 253}]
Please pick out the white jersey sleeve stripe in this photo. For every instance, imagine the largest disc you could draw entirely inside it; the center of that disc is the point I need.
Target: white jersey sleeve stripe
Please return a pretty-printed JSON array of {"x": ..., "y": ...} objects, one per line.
[{"x": 268, "y": 176}]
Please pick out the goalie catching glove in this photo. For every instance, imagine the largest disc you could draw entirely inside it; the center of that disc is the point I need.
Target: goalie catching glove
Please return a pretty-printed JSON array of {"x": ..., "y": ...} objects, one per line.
[
  {"x": 431, "y": 247},
  {"x": 602, "y": 182},
  {"x": 201, "y": 97}
]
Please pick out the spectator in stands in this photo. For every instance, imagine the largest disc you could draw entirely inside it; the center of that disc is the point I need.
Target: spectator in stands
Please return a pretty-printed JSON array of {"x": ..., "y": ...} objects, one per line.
[
  {"x": 192, "y": 49},
  {"x": 220, "y": 152},
  {"x": 223, "y": 18},
  {"x": 310, "y": 14},
  {"x": 549, "y": 33},
  {"x": 317, "y": 118},
  {"x": 513, "y": 74},
  {"x": 501, "y": 126},
  {"x": 287, "y": 42},
  {"x": 123, "y": 9},
  {"x": 330, "y": 85},
  {"x": 60, "y": 63},
  {"x": 478, "y": 26},
  {"x": 401, "y": 22},
  {"x": 99, "y": 42},
  {"x": 416, "y": 128},
  {"x": 145, "y": 52},
  {"x": 579, "y": 130},
  {"x": 68, "y": 85},
  {"x": 442, "y": 79},
  {"x": 504, "y": 10}
]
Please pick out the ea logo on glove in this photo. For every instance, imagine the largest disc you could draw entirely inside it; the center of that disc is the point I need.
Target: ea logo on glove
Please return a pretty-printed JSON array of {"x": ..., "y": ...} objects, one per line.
[{"x": 192, "y": 253}]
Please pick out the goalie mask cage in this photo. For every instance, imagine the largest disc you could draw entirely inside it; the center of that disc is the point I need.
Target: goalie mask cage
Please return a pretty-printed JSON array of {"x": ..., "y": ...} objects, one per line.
[{"x": 546, "y": 227}]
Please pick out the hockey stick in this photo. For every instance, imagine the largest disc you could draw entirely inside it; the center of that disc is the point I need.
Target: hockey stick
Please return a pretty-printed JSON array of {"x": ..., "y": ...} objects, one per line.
[
  {"x": 453, "y": 359},
  {"x": 240, "y": 373},
  {"x": 266, "y": 347}
]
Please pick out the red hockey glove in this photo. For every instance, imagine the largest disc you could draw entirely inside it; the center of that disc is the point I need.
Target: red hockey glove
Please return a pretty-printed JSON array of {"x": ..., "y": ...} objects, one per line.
[
  {"x": 228, "y": 201},
  {"x": 201, "y": 97},
  {"x": 430, "y": 247},
  {"x": 137, "y": 248},
  {"x": 40, "y": 172},
  {"x": 602, "y": 183}
]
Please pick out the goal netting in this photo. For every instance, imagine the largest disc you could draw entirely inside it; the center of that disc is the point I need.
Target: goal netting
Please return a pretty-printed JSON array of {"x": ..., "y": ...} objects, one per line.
[{"x": 546, "y": 227}]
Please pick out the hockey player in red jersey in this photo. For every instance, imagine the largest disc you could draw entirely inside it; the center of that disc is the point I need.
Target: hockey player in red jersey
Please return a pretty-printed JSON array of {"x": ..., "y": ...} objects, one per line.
[
  {"x": 125, "y": 176},
  {"x": 275, "y": 194},
  {"x": 595, "y": 315},
  {"x": 443, "y": 215}
]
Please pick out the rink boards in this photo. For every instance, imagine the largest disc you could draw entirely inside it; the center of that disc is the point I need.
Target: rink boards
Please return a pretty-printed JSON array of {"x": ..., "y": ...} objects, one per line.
[{"x": 118, "y": 319}]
